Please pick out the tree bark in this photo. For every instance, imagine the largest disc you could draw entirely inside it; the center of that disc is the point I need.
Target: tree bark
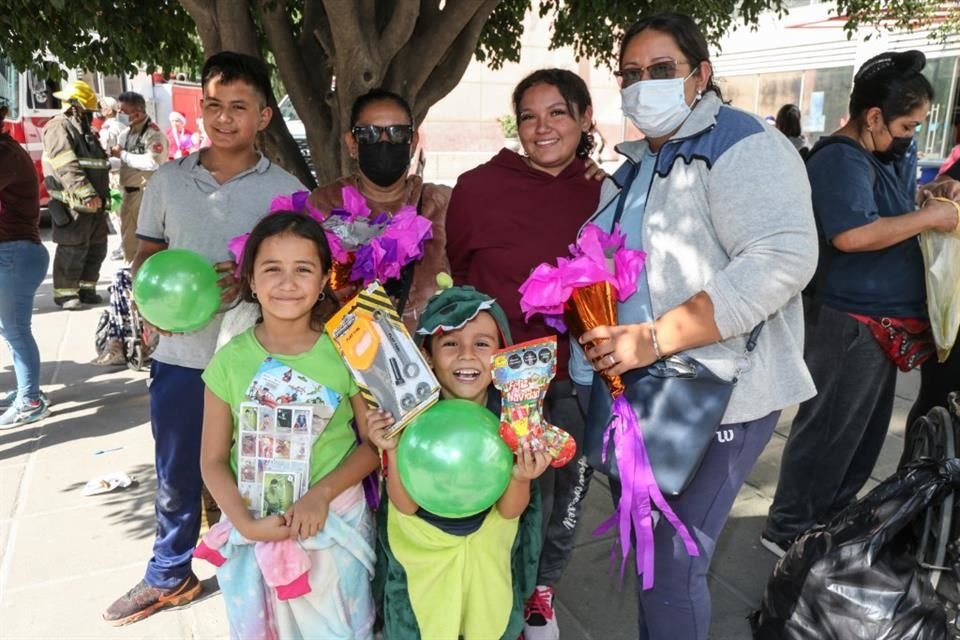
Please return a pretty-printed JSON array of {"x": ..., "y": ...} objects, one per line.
[
  {"x": 340, "y": 50},
  {"x": 227, "y": 25}
]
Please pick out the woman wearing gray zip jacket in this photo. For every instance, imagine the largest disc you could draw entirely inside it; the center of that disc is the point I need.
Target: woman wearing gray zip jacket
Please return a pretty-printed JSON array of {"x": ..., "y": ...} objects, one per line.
[{"x": 720, "y": 202}]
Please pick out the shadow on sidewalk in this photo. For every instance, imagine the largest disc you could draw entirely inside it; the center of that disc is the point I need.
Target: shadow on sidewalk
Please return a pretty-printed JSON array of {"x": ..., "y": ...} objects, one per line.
[
  {"x": 117, "y": 404},
  {"x": 129, "y": 508}
]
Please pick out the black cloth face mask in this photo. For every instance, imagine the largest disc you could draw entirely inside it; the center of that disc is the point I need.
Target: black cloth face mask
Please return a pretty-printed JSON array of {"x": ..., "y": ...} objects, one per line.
[
  {"x": 384, "y": 162},
  {"x": 899, "y": 145}
]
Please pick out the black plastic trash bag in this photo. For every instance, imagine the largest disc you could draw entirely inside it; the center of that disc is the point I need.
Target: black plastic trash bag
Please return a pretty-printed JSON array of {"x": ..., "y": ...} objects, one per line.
[{"x": 857, "y": 577}]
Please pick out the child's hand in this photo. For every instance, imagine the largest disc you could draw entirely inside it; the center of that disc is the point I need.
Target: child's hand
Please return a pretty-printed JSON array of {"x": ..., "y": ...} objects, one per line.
[
  {"x": 308, "y": 514},
  {"x": 268, "y": 529},
  {"x": 228, "y": 284},
  {"x": 530, "y": 464},
  {"x": 378, "y": 422}
]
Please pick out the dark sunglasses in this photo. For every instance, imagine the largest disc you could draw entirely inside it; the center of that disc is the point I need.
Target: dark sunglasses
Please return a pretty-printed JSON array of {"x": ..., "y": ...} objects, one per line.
[
  {"x": 663, "y": 70},
  {"x": 370, "y": 133}
]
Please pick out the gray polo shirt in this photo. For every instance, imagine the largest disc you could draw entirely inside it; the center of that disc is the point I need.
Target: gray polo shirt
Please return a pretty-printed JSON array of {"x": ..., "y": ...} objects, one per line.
[{"x": 186, "y": 208}]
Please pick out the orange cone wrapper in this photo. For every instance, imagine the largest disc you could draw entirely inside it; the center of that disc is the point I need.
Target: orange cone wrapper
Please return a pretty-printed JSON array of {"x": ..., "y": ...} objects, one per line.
[{"x": 589, "y": 307}]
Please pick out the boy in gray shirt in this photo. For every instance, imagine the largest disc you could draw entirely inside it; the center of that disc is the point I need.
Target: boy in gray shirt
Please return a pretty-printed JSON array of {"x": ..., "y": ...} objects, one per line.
[{"x": 197, "y": 203}]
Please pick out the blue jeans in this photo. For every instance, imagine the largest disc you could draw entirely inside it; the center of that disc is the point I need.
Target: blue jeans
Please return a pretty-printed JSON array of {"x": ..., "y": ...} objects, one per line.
[
  {"x": 23, "y": 266},
  {"x": 176, "y": 416}
]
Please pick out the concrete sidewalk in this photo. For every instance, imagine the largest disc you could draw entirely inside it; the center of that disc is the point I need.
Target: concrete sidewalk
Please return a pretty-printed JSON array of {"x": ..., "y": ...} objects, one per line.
[{"x": 65, "y": 557}]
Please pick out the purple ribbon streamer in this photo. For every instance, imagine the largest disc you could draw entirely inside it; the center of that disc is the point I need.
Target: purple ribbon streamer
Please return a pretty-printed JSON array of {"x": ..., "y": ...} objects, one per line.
[{"x": 639, "y": 489}]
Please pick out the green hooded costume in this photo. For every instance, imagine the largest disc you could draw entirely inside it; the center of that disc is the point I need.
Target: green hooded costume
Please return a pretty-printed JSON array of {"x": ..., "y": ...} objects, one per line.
[{"x": 406, "y": 541}]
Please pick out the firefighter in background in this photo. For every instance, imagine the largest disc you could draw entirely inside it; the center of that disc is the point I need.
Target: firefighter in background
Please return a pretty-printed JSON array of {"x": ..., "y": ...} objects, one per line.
[
  {"x": 141, "y": 150},
  {"x": 76, "y": 174}
]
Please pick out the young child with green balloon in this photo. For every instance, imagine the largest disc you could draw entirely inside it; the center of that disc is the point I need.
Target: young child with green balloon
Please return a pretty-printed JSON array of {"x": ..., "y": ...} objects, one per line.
[
  {"x": 319, "y": 584},
  {"x": 459, "y": 572}
]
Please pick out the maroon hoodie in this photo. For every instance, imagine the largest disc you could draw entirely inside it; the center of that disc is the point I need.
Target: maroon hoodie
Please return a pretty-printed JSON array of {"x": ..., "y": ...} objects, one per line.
[{"x": 504, "y": 219}]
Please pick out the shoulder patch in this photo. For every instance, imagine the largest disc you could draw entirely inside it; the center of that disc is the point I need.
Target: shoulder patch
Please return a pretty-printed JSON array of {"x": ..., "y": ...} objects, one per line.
[
  {"x": 157, "y": 147},
  {"x": 732, "y": 126},
  {"x": 153, "y": 125}
]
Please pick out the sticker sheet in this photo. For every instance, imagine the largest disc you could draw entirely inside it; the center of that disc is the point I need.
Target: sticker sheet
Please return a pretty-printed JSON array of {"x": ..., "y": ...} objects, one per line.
[{"x": 277, "y": 427}]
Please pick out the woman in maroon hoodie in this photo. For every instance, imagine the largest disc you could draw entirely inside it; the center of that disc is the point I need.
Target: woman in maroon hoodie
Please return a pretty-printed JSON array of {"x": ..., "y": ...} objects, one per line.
[{"x": 507, "y": 216}]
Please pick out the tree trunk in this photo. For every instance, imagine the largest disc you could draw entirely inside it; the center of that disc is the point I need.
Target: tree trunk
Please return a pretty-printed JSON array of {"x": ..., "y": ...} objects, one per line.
[
  {"x": 227, "y": 25},
  {"x": 337, "y": 50}
]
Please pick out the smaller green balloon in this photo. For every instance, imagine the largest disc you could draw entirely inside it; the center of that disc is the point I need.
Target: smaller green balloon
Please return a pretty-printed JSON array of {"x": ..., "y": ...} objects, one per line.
[
  {"x": 176, "y": 290},
  {"x": 452, "y": 460}
]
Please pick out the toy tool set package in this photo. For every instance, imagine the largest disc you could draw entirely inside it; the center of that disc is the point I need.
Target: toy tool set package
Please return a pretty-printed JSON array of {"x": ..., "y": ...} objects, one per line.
[
  {"x": 277, "y": 427},
  {"x": 389, "y": 369},
  {"x": 522, "y": 374}
]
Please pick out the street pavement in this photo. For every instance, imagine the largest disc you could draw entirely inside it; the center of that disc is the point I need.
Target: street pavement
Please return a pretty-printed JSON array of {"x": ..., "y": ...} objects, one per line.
[{"x": 64, "y": 557}]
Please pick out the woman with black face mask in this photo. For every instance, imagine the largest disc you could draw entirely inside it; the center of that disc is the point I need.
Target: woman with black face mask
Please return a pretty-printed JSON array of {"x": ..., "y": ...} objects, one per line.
[
  {"x": 381, "y": 139},
  {"x": 865, "y": 310}
]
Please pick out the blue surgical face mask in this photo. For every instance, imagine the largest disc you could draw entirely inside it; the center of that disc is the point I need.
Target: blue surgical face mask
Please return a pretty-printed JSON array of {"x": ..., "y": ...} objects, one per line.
[
  {"x": 656, "y": 107},
  {"x": 123, "y": 119}
]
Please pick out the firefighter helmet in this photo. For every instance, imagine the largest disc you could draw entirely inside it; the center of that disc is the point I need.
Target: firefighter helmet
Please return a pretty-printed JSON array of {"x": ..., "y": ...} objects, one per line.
[{"x": 80, "y": 92}]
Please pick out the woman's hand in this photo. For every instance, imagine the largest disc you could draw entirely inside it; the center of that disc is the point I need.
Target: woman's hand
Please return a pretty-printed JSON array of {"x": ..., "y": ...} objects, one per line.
[
  {"x": 944, "y": 214},
  {"x": 618, "y": 349},
  {"x": 944, "y": 187},
  {"x": 378, "y": 422},
  {"x": 308, "y": 514},
  {"x": 269, "y": 529},
  {"x": 530, "y": 464},
  {"x": 592, "y": 170}
]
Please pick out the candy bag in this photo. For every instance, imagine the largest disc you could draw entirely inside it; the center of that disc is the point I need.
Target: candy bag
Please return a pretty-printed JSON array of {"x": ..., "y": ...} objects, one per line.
[{"x": 522, "y": 374}]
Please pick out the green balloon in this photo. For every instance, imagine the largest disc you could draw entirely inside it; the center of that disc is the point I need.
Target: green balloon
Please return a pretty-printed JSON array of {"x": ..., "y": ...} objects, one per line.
[
  {"x": 176, "y": 290},
  {"x": 452, "y": 461}
]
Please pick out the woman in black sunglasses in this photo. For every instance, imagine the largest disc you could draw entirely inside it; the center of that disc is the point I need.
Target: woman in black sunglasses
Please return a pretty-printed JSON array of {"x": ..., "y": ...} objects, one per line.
[{"x": 381, "y": 139}]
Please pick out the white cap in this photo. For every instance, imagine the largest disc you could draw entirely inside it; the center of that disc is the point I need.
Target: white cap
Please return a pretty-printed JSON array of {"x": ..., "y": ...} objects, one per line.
[
  {"x": 176, "y": 115},
  {"x": 107, "y": 102}
]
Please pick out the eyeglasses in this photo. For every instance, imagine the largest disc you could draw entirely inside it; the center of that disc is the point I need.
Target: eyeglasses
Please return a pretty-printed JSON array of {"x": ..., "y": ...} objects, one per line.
[
  {"x": 661, "y": 70},
  {"x": 370, "y": 133}
]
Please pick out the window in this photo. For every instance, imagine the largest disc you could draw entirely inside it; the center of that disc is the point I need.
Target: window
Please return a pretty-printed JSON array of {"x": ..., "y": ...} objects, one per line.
[
  {"x": 10, "y": 87},
  {"x": 40, "y": 89},
  {"x": 776, "y": 90},
  {"x": 936, "y": 138},
  {"x": 825, "y": 102}
]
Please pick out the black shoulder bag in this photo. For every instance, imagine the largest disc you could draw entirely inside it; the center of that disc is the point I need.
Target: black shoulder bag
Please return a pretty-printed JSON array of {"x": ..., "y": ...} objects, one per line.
[{"x": 678, "y": 401}]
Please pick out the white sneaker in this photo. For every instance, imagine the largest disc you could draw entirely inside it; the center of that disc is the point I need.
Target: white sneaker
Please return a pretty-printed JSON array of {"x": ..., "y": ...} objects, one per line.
[
  {"x": 778, "y": 549},
  {"x": 540, "y": 618}
]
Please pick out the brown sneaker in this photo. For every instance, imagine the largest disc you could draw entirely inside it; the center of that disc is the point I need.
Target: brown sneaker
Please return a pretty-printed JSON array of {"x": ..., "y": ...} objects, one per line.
[{"x": 144, "y": 600}]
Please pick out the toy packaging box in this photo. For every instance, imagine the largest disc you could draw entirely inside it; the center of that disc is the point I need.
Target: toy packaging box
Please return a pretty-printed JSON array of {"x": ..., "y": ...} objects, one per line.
[{"x": 387, "y": 365}]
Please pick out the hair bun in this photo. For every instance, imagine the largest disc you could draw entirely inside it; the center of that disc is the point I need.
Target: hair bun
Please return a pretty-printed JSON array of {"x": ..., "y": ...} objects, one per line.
[{"x": 902, "y": 62}]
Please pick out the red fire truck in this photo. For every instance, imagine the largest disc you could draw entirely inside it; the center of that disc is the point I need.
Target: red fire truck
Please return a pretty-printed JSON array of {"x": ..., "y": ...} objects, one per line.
[{"x": 31, "y": 103}]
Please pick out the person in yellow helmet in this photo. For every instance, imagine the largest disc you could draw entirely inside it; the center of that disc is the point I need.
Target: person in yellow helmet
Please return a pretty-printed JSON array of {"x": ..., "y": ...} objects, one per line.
[{"x": 76, "y": 174}]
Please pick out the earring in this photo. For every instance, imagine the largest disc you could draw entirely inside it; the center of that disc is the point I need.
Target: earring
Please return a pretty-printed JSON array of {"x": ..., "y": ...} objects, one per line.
[
  {"x": 699, "y": 94},
  {"x": 323, "y": 296},
  {"x": 253, "y": 294}
]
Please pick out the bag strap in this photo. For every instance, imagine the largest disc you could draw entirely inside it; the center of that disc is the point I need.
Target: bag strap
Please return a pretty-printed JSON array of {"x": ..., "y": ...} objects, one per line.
[{"x": 624, "y": 192}]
